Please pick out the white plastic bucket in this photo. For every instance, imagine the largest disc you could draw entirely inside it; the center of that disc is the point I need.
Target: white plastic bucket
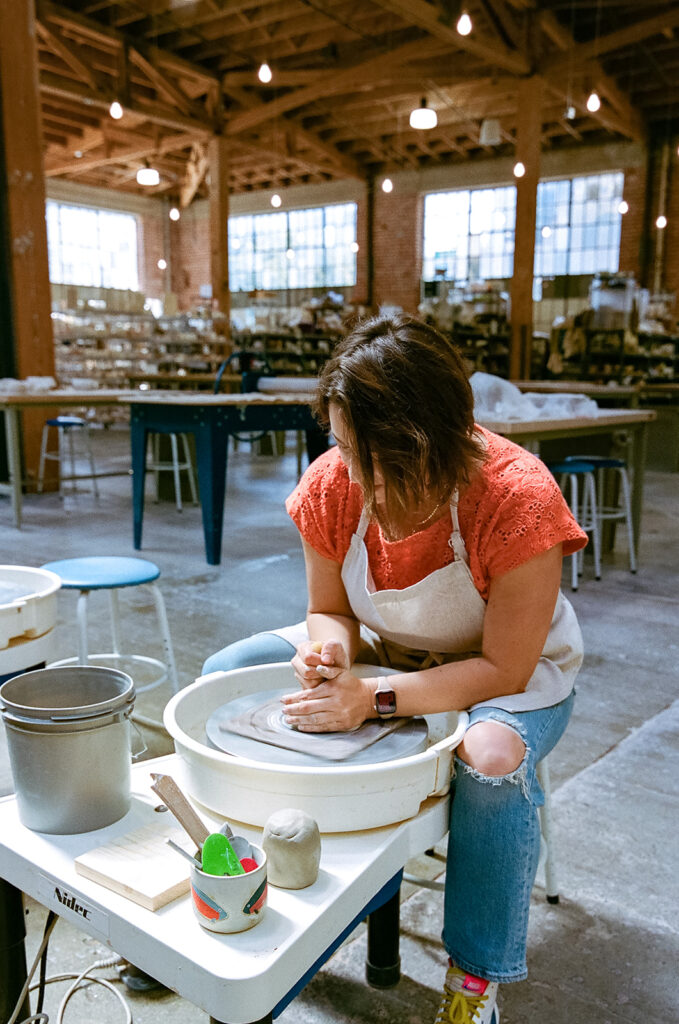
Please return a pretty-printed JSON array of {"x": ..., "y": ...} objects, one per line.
[{"x": 68, "y": 736}]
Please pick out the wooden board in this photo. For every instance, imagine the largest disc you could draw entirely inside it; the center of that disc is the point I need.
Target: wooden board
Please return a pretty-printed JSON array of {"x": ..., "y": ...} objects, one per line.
[{"x": 141, "y": 866}]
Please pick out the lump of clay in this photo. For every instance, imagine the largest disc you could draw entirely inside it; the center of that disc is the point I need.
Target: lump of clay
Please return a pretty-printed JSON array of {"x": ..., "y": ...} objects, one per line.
[{"x": 292, "y": 844}]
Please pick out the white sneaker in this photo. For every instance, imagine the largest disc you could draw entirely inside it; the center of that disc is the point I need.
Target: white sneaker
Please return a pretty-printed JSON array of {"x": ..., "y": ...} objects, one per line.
[{"x": 468, "y": 1000}]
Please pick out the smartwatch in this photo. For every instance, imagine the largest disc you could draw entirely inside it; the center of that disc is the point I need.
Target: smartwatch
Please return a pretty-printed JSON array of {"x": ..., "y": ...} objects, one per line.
[{"x": 385, "y": 701}]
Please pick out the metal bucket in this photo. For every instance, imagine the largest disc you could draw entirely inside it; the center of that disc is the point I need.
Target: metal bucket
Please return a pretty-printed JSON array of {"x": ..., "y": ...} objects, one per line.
[{"x": 68, "y": 736}]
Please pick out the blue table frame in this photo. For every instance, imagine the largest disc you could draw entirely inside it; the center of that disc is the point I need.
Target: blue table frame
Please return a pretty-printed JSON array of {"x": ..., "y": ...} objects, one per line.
[{"x": 211, "y": 419}]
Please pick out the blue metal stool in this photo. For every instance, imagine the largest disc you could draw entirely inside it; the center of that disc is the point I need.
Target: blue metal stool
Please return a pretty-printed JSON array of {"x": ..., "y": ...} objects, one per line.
[
  {"x": 585, "y": 510},
  {"x": 66, "y": 427},
  {"x": 112, "y": 573},
  {"x": 614, "y": 512}
]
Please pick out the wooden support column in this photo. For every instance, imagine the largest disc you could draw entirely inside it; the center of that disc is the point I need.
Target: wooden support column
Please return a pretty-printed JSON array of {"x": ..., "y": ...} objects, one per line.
[
  {"x": 219, "y": 227},
  {"x": 30, "y": 338},
  {"x": 528, "y": 133}
]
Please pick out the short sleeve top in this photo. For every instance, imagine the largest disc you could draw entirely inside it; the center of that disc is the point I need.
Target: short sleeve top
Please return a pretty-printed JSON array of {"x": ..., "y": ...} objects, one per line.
[{"x": 511, "y": 511}]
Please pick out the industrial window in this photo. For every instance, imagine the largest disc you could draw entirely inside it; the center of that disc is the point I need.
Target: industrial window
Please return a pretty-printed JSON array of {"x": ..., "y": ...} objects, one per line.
[
  {"x": 92, "y": 247},
  {"x": 578, "y": 225},
  {"x": 313, "y": 248},
  {"x": 469, "y": 234}
]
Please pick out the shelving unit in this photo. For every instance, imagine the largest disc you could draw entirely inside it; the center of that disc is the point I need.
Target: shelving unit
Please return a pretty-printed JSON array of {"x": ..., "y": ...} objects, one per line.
[
  {"x": 104, "y": 350},
  {"x": 282, "y": 354},
  {"x": 618, "y": 354}
]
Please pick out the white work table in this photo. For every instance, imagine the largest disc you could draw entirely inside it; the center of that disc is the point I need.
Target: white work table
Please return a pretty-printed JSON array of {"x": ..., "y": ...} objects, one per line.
[{"x": 237, "y": 978}]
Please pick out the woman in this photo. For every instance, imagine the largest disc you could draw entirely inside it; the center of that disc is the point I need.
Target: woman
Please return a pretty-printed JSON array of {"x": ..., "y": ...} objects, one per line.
[{"x": 435, "y": 547}]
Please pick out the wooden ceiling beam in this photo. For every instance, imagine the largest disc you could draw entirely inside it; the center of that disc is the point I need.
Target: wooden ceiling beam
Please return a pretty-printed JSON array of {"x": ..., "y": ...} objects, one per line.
[
  {"x": 141, "y": 150},
  {"x": 54, "y": 86},
  {"x": 70, "y": 55},
  {"x": 164, "y": 84},
  {"x": 577, "y": 53},
  {"x": 426, "y": 16},
  {"x": 346, "y": 80},
  {"x": 99, "y": 33}
]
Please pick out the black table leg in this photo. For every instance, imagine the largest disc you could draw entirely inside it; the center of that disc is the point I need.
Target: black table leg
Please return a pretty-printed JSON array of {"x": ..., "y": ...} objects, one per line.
[
  {"x": 12, "y": 952},
  {"x": 212, "y": 443},
  {"x": 383, "y": 963},
  {"x": 138, "y": 441}
]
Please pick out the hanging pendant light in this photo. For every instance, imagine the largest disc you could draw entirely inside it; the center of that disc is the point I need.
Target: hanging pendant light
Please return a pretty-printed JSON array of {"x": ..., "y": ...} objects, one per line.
[
  {"x": 116, "y": 110},
  {"x": 490, "y": 134},
  {"x": 423, "y": 117},
  {"x": 464, "y": 24},
  {"x": 148, "y": 176},
  {"x": 593, "y": 102},
  {"x": 265, "y": 74}
]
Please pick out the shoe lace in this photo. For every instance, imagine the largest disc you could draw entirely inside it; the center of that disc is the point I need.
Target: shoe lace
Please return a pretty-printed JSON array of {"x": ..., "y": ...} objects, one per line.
[{"x": 458, "y": 1008}]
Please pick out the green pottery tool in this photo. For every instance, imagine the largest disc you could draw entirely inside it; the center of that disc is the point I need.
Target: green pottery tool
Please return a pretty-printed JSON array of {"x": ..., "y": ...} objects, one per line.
[{"x": 218, "y": 857}]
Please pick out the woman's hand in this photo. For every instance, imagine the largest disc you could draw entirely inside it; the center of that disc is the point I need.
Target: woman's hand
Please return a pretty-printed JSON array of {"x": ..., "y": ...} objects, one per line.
[
  {"x": 316, "y": 661},
  {"x": 335, "y": 705}
]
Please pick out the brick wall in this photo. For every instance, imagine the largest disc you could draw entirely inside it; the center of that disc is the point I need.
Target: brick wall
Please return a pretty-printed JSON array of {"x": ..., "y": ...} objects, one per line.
[
  {"x": 632, "y": 240},
  {"x": 190, "y": 245},
  {"x": 152, "y": 281},
  {"x": 397, "y": 249}
]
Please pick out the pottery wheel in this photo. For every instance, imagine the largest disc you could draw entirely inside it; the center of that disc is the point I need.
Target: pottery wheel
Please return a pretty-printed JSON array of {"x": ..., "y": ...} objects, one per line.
[{"x": 271, "y": 737}]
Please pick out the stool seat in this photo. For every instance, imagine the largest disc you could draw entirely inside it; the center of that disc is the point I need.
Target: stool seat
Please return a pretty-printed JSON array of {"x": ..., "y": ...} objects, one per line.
[
  {"x": 598, "y": 461},
  {"x": 66, "y": 421},
  {"x": 570, "y": 466},
  {"x": 101, "y": 572}
]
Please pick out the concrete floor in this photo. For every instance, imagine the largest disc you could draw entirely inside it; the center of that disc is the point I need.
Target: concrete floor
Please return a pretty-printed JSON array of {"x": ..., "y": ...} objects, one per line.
[{"x": 607, "y": 954}]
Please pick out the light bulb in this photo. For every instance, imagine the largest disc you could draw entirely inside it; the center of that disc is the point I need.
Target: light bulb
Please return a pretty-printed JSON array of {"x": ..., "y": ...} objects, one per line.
[
  {"x": 464, "y": 24},
  {"x": 115, "y": 110},
  {"x": 162, "y": 264},
  {"x": 175, "y": 214},
  {"x": 265, "y": 73},
  {"x": 387, "y": 185},
  {"x": 623, "y": 206},
  {"x": 593, "y": 102},
  {"x": 546, "y": 231},
  {"x": 661, "y": 221},
  {"x": 570, "y": 112},
  {"x": 276, "y": 200},
  {"x": 148, "y": 176},
  {"x": 519, "y": 169},
  {"x": 354, "y": 246}
]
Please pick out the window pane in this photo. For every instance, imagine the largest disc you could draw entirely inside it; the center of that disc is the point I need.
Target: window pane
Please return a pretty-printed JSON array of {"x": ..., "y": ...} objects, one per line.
[
  {"x": 312, "y": 248},
  {"x": 92, "y": 247}
]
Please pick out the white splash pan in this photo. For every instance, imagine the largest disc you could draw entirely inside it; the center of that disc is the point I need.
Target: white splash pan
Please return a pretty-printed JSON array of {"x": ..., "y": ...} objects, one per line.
[
  {"x": 28, "y": 602},
  {"x": 341, "y": 798}
]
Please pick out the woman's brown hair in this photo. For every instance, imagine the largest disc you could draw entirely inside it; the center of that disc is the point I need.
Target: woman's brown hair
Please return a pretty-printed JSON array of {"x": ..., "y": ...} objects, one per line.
[{"x": 403, "y": 392}]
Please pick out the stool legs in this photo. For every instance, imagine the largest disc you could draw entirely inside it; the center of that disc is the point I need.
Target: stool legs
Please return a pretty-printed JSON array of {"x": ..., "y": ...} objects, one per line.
[
  {"x": 192, "y": 475},
  {"x": 66, "y": 449},
  {"x": 165, "y": 636},
  {"x": 43, "y": 455},
  {"x": 83, "y": 655},
  {"x": 168, "y": 666},
  {"x": 586, "y": 512},
  {"x": 551, "y": 883}
]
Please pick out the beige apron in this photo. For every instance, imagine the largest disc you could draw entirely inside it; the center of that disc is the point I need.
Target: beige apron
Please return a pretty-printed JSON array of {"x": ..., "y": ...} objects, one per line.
[{"x": 440, "y": 619}]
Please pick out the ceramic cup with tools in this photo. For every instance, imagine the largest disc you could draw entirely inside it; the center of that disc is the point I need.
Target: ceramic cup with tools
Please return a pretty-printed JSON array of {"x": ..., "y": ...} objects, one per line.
[{"x": 230, "y": 903}]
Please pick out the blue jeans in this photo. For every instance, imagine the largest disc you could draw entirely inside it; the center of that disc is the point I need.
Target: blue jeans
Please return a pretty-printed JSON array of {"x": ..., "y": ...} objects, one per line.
[
  {"x": 494, "y": 848},
  {"x": 494, "y": 840}
]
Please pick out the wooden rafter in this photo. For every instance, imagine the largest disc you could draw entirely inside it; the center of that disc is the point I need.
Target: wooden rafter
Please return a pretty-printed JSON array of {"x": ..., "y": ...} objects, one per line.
[
  {"x": 426, "y": 16},
  {"x": 360, "y": 75}
]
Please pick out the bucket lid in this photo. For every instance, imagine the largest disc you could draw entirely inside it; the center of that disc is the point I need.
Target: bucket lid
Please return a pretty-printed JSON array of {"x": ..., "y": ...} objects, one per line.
[{"x": 66, "y": 694}]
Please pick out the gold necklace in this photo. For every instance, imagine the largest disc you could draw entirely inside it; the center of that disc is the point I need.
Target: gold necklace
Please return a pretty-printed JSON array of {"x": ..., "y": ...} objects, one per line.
[{"x": 430, "y": 516}]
